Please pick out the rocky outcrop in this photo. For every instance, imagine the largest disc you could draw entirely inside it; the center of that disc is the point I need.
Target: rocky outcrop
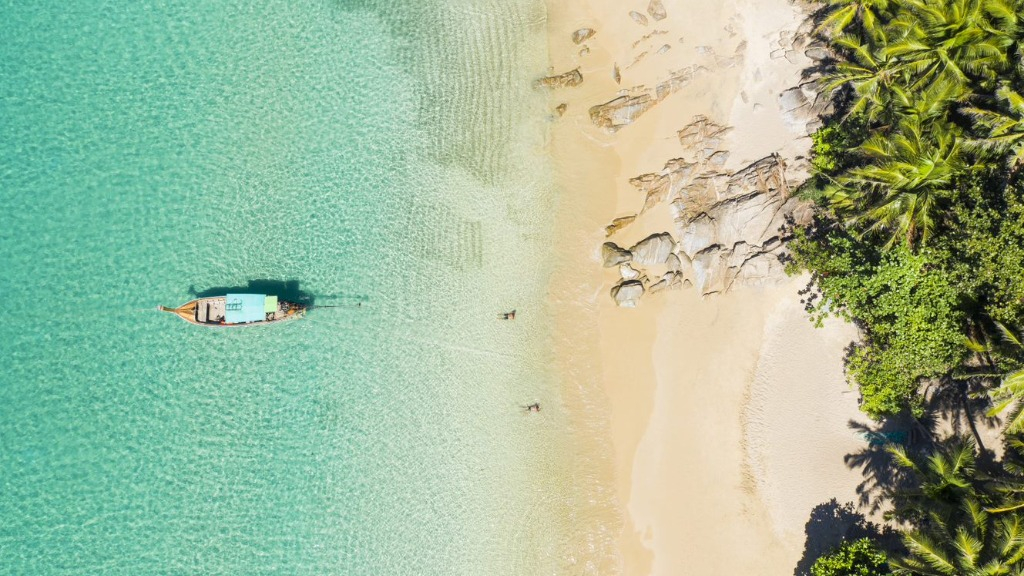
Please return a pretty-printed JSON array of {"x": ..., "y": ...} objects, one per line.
[
  {"x": 726, "y": 224},
  {"x": 669, "y": 280},
  {"x": 564, "y": 80},
  {"x": 613, "y": 255},
  {"x": 582, "y": 35},
  {"x": 734, "y": 235},
  {"x": 627, "y": 293}
]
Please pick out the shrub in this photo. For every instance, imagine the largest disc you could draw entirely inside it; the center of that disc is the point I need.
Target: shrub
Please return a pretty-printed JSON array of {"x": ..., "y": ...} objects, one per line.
[{"x": 857, "y": 558}]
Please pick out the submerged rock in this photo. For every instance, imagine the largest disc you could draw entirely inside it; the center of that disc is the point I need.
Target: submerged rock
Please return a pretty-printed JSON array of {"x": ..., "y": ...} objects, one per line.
[
  {"x": 638, "y": 18},
  {"x": 627, "y": 294},
  {"x": 613, "y": 255},
  {"x": 657, "y": 10},
  {"x": 582, "y": 35},
  {"x": 618, "y": 224},
  {"x": 564, "y": 80},
  {"x": 621, "y": 111}
]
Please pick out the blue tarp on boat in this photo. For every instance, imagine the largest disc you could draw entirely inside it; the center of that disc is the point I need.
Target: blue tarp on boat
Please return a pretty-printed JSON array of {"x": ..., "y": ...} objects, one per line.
[{"x": 243, "y": 308}]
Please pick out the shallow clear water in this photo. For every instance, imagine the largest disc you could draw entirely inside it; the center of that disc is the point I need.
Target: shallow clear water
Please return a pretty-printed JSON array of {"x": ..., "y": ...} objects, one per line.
[{"x": 387, "y": 157}]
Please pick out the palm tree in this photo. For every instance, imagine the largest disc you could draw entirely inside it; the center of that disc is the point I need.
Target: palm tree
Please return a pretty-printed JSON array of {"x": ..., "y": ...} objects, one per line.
[
  {"x": 1011, "y": 389},
  {"x": 901, "y": 192},
  {"x": 955, "y": 535},
  {"x": 941, "y": 482},
  {"x": 978, "y": 544},
  {"x": 843, "y": 13},
  {"x": 951, "y": 41},
  {"x": 870, "y": 73},
  {"x": 1004, "y": 131}
]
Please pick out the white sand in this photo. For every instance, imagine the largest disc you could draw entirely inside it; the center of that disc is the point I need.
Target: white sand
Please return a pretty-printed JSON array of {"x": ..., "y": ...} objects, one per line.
[{"x": 727, "y": 417}]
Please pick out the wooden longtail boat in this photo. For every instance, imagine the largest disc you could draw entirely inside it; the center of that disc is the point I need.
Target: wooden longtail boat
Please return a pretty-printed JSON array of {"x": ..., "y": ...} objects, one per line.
[{"x": 235, "y": 310}]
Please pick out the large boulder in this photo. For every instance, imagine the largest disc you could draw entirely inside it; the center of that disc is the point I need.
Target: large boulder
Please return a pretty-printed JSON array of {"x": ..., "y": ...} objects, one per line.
[
  {"x": 709, "y": 268},
  {"x": 654, "y": 249},
  {"x": 613, "y": 255},
  {"x": 627, "y": 293},
  {"x": 751, "y": 218},
  {"x": 793, "y": 99}
]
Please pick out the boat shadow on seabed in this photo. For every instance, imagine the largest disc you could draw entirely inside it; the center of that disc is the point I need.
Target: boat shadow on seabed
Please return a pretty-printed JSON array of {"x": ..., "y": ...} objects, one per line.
[{"x": 287, "y": 290}]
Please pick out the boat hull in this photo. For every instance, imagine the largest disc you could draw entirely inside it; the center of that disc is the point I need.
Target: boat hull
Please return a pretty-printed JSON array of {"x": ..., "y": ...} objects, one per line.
[{"x": 211, "y": 313}]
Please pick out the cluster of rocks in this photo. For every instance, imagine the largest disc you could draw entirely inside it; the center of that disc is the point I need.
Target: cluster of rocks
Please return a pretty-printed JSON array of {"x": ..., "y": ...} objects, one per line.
[
  {"x": 802, "y": 106},
  {"x": 726, "y": 224},
  {"x": 657, "y": 250}
]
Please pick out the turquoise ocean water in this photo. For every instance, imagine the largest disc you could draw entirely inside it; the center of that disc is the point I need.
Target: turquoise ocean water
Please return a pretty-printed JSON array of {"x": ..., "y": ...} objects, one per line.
[{"x": 382, "y": 153}]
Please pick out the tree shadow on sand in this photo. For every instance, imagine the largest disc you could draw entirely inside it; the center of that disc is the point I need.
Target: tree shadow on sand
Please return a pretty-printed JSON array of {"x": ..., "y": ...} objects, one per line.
[
  {"x": 831, "y": 524},
  {"x": 879, "y": 473},
  {"x": 951, "y": 411}
]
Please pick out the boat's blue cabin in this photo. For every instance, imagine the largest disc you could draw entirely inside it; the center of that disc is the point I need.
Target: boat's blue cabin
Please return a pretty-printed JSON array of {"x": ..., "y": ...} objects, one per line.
[{"x": 245, "y": 308}]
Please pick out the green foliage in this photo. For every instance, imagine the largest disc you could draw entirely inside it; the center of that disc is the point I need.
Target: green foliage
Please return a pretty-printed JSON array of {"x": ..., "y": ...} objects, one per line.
[
  {"x": 857, "y": 558},
  {"x": 907, "y": 307},
  {"x": 986, "y": 249},
  {"x": 916, "y": 331},
  {"x": 834, "y": 145},
  {"x": 919, "y": 232}
]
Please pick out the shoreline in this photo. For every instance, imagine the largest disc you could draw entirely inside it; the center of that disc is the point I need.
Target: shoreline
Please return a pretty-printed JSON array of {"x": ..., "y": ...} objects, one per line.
[{"x": 693, "y": 394}]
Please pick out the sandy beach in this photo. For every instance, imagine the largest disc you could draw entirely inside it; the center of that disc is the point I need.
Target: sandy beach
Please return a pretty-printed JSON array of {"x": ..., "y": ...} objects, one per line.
[{"x": 723, "y": 406}]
